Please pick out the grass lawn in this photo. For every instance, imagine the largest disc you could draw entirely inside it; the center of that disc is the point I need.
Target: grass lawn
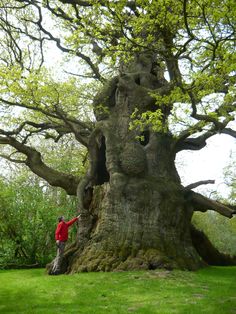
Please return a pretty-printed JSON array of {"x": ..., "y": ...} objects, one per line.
[{"x": 210, "y": 290}]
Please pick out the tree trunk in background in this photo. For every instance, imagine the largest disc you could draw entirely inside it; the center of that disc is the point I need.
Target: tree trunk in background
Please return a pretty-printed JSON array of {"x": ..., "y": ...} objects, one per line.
[{"x": 208, "y": 252}]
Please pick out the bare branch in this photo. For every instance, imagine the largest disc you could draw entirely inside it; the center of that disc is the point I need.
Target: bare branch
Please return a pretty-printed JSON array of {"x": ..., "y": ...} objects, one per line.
[
  {"x": 196, "y": 184},
  {"x": 79, "y": 75},
  {"x": 229, "y": 132}
]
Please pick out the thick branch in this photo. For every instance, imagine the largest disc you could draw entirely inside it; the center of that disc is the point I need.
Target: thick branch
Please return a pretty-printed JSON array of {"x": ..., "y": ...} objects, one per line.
[
  {"x": 229, "y": 132},
  {"x": 196, "y": 184},
  {"x": 130, "y": 3},
  {"x": 89, "y": 178},
  {"x": 171, "y": 59},
  {"x": 79, "y": 2},
  {"x": 80, "y": 129},
  {"x": 202, "y": 203},
  {"x": 196, "y": 143},
  {"x": 34, "y": 161},
  {"x": 39, "y": 126}
]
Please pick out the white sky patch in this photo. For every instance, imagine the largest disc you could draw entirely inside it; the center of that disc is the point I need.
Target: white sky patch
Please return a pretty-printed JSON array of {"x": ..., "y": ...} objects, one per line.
[{"x": 207, "y": 164}]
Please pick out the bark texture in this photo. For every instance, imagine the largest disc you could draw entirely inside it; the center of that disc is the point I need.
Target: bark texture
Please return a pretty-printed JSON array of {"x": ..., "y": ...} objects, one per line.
[{"x": 144, "y": 232}]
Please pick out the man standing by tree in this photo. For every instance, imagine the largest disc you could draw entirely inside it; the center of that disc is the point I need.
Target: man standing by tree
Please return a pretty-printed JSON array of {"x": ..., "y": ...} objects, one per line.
[{"x": 61, "y": 236}]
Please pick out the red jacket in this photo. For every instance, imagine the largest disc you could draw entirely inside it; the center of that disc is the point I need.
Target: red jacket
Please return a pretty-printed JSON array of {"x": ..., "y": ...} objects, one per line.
[{"x": 61, "y": 233}]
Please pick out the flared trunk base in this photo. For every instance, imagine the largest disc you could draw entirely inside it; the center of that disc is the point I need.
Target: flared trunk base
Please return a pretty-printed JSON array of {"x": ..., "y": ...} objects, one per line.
[{"x": 150, "y": 259}]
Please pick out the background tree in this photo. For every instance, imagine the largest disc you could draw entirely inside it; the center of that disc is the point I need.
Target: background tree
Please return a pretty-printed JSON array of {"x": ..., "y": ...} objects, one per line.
[
  {"x": 29, "y": 211},
  {"x": 159, "y": 76}
]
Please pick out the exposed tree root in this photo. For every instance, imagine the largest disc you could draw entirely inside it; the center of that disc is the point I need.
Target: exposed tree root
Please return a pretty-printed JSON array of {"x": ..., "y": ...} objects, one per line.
[{"x": 208, "y": 252}]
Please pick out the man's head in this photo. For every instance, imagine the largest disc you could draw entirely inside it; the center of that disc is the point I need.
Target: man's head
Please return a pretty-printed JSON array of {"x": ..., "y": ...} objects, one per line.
[{"x": 61, "y": 218}]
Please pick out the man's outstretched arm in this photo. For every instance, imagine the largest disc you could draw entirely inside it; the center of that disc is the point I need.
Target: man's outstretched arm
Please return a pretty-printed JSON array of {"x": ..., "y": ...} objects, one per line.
[{"x": 69, "y": 223}]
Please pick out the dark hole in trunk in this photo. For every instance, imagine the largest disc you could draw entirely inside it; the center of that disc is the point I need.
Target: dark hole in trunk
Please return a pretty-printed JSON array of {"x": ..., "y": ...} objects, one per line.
[
  {"x": 88, "y": 195},
  {"x": 144, "y": 140},
  {"x": 102, "y": 173},
  {"x": 137, "y": 80}
]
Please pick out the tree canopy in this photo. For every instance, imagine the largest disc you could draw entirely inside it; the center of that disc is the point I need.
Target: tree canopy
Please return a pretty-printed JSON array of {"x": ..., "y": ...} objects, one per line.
[{"x": 193, "y": 43}]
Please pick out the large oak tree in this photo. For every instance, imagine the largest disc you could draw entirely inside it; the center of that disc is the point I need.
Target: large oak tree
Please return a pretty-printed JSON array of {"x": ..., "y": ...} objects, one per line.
[{"x": 159, "y": 77}]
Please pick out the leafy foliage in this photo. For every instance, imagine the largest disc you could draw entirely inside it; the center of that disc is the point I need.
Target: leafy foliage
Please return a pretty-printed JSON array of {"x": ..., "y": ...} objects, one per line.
[
  {"x": 29, "y": 211},
  {"x": 192, "y": 45},
  {"x": 220, "y": 230}
]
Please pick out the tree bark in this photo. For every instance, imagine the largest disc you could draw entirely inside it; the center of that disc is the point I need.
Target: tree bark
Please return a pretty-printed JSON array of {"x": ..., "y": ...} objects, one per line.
[{"x": 144, "y": 232}]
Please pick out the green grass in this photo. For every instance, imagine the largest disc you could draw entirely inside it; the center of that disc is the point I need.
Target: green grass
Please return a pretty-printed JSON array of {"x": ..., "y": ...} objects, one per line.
[{"x": 210, "y": 290}]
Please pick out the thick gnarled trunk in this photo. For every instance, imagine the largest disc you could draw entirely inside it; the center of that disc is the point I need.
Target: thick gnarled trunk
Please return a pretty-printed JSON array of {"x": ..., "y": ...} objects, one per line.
[
  {"x": 141, "y": 219},
  {"x": 140, "y": 215},
  {"x": 143, "y": 224}
]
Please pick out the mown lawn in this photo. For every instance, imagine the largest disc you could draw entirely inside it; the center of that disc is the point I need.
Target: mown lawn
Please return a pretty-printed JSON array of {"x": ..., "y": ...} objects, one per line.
[{"x": 210, "y": 290}]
